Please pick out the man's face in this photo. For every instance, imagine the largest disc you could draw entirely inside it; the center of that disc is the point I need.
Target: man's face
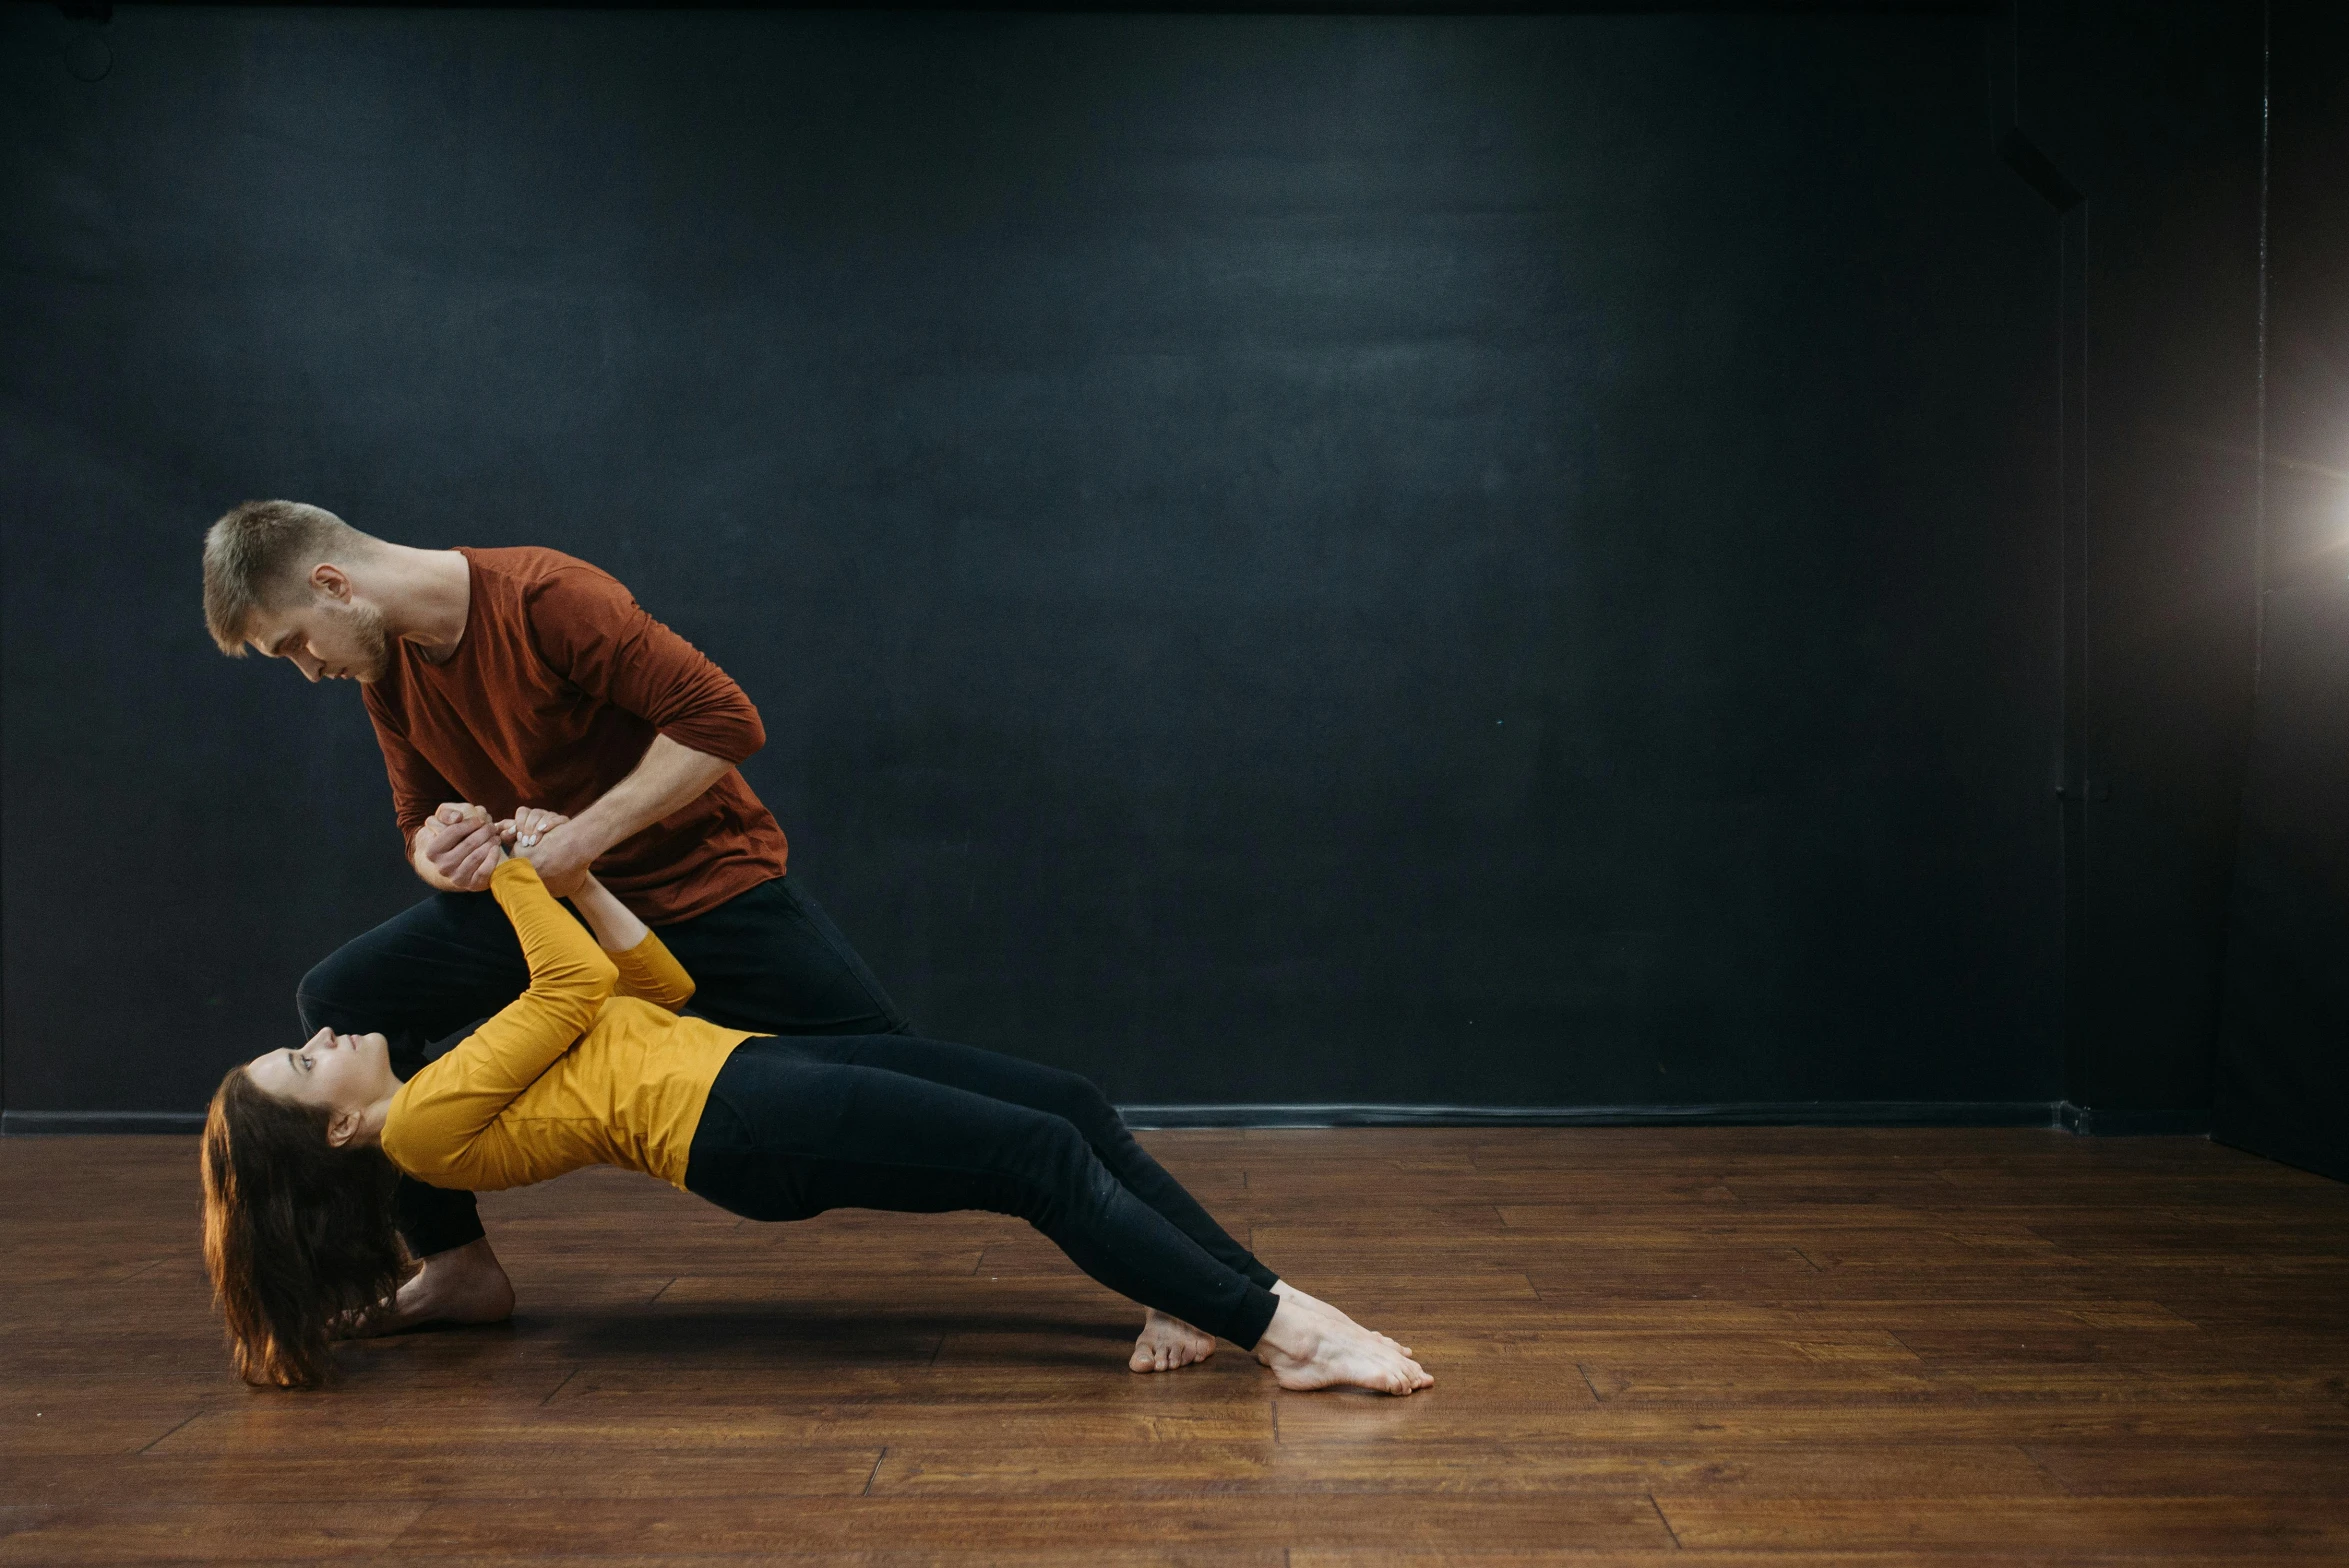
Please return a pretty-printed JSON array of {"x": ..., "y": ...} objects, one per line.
[
  {"x": 326, "y": 638},
  {"x": 342, "y": 1073}
]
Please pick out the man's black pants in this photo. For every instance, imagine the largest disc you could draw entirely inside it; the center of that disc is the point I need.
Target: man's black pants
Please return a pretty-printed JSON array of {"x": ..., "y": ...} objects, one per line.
[
  {"x": 795, "y": 1126},
  {"x": 766, "y": 960}
]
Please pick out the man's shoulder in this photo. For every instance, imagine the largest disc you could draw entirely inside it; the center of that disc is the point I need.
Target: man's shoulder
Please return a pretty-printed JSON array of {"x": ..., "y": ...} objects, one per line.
[
  {"x": 533, "y": 592},
  {"x": 529, "y": 567}
]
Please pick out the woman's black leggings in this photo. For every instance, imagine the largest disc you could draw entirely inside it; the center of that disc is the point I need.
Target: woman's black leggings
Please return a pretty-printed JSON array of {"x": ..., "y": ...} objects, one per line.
[{"x": 799, "y": 1124}]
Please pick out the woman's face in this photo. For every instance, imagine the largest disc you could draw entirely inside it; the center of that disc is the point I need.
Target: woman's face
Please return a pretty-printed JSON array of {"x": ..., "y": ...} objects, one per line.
[{"x": 335, "y": 1072}]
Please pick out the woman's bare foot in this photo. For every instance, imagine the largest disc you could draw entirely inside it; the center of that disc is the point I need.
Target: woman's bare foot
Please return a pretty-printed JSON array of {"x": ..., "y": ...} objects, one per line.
[
  {"x": 1281, "y": 1287},
  {"x": 1311, "y": 1347},
  {"x": 1167, "y": 1343},
  {"x": 463, "y": 1285}
]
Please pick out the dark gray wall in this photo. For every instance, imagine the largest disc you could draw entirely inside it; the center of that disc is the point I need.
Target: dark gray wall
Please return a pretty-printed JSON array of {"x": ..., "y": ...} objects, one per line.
[
  {"x": 2307, "y": 497},
  {"x": 2283, "y": 1083},
  {"x": 1475, "y": 560},
  {"x": 2152, "y": 111}
]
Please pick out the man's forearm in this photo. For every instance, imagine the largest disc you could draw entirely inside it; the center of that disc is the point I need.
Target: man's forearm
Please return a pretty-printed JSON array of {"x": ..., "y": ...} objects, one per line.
[{"x": 667, "y": 778}]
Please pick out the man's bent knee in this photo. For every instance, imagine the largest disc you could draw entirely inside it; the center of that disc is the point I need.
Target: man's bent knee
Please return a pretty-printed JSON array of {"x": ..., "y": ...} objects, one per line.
[{"x": 314, "y": 1000}]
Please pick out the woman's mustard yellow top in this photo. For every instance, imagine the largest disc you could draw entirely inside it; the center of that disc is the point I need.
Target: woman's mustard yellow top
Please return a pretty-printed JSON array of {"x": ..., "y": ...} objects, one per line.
[{"x": 590, "y": 1066}]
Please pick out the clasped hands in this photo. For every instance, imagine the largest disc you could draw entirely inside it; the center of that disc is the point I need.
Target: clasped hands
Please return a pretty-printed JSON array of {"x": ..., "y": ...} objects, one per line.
[{"x": 464, "y": 843}]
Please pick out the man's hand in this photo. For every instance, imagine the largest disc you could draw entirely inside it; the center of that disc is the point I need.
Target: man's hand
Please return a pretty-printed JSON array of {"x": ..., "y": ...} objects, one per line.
[
  {"x": 561, "y": 853},
  {"x": 457, "y": 848},
  {"x": 526, "y": 826},
  {"x": 529, "y": 834}
]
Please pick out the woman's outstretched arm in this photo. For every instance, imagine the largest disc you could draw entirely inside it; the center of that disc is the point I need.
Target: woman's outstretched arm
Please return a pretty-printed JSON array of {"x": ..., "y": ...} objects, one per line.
[
  {"x": 615, "y": 926},
  {"x": 647, "y": 967},
  {"x": 438, "y": 1121}
]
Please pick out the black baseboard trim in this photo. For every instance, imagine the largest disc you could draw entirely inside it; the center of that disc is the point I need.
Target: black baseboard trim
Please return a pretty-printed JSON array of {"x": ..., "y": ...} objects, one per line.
[
  {"x": 34, "y": 1124},
  {"x": 2091, "y": 1121},
  {"x": 1792, "y": 1113}
]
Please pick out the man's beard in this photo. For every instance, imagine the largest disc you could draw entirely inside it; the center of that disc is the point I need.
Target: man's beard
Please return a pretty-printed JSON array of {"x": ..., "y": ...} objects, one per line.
[{"x": 371, "y": 643}]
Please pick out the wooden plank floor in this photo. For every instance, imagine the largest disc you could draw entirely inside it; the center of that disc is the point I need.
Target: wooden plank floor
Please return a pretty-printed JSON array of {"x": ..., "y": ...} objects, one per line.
[{"x": 1720, "y": 1347}]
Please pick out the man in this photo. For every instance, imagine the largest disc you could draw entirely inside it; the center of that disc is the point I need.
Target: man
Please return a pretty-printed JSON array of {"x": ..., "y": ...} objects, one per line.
[{"x": 525, "y": 683}]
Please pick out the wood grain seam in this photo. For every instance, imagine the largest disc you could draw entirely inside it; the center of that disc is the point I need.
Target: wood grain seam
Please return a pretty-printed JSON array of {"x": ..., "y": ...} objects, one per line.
[
  {"x": 160, "y": 1436},
  {"x": 1666, "y": 1523}
]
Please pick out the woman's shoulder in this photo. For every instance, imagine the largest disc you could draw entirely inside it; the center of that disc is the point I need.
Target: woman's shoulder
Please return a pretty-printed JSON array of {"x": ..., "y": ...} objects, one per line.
[{"x": 406, "y": 1139}]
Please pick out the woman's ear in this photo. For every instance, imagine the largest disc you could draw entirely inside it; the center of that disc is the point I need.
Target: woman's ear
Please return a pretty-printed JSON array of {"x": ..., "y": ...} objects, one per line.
[{"x": 343, "y": 1128}]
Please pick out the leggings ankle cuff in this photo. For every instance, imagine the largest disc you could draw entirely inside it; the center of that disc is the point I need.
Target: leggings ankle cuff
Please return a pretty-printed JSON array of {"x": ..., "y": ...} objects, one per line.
[{"x": 1253, "y": 1318}]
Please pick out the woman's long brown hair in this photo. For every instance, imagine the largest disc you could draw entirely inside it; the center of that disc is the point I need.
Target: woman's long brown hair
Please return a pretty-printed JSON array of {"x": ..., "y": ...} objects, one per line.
[{"x": 296, "y": 1232}]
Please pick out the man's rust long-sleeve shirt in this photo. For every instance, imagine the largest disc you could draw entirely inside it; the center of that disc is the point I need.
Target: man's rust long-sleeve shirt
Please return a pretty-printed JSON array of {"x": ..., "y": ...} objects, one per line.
[{"x": 550, "y": 698}]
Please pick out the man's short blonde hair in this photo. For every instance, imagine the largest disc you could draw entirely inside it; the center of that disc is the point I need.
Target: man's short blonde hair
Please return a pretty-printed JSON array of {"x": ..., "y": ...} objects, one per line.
[{"x": 257, "y": 557}]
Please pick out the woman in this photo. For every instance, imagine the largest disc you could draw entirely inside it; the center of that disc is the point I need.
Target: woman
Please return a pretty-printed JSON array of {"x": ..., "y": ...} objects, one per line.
[{"x": 592, "y": 1066}]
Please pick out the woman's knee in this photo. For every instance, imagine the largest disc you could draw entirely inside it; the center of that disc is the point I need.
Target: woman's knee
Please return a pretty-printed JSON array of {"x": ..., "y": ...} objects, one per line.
[
  {"x": 1048, "y": 1148},
  {"x": 1059, "y": 1167},
  {"x": 1079, "y": 1101},
  {"x": 1049, "y": 1140}
]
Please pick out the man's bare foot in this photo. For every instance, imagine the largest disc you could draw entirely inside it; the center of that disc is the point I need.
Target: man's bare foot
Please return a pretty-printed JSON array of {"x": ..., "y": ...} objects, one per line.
[
  {"x": 1281, "y": 1287},
  {"x": 1311, "y": 1347},
  {"x": 463, "y": 1285},
  {"x": 1167, "y": 1343}
]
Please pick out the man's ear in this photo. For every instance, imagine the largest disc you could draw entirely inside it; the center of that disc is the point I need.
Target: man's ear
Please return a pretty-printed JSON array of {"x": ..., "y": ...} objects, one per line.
[
  {"x": 332, "y": 581},
  {"x": 343, "y": 1128}
]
